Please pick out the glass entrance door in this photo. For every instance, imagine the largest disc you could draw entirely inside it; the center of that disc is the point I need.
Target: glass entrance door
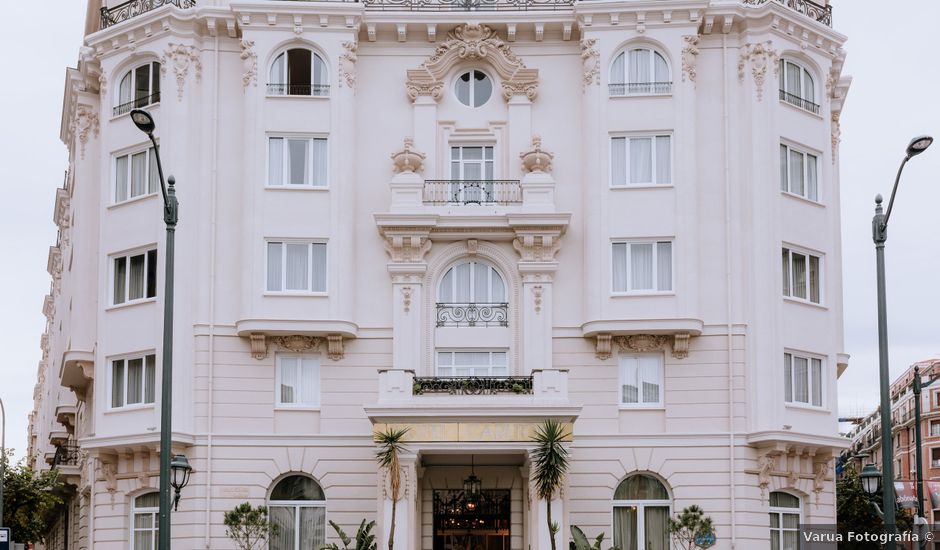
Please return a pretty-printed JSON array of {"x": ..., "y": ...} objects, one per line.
[{"x": 467, "y": 524}]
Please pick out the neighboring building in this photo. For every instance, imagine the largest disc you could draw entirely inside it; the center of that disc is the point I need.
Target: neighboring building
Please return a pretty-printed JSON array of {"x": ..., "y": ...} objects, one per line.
[
  {"x": 602, "y": 212},
  {"x": 866, "y": 437}
]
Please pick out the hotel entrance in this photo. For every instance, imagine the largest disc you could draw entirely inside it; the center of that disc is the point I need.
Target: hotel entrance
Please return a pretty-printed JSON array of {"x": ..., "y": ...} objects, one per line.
[{"x": 467, "y": 521}]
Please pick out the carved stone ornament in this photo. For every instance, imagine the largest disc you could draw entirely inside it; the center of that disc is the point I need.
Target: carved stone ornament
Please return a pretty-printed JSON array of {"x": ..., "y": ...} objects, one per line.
[
  {"x": 249, "y": 63},
  {"x": 765, "y": 465},
  {"x": 406, "y": 292},
  {"x": 537, "y": 248},
  {"x": 84, "y": 122},
  {"x": 590, "y": 63},
  {"x": 297, "y": 342},
  {"x": 536, "y": 159},
  {"x": 259, "y": 349},
  {"x": 347, "y": 64},
  {"x": 181, "y": 57},
  {"x": 836, "y": 134},
  {"x": 537, "y": 297},
  {"x": 820, "y": 473},
  {"x": 760, "y": 55},
  {"x": 335, "y": 349},
  {"x": 469, "y": 42},
  {"x": 642, "y": 342},
  {"x": 689, "y": 56},
  {"x": 408, "y": 159},
  {"x": 680, "y": 345},
  {"x": 407, "y": 248},
  {"x": 602, "y": 347}
]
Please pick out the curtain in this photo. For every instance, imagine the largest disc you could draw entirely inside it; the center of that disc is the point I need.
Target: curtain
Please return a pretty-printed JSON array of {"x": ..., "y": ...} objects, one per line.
[
  {"x": 625, "y": 527},
  {"x": 481, "y": 285},
  {"x": 796, "y": 173},
  {"x": 282, "y": 538},
  {"x": 319, "y": 267},
  {"x": 275, "y": 161},
  {"x": 814, "y": 279},
  {"x": 663, "y": 160},
  {"x": 446, "y": 292},
  {"x": 498, "y": 288},
  {"x": 120, "y": 280},
  {"x": 462, "y": 273},
  {"x": 120, "y": 179},
  {"x": 309, "y": 376},
  {"x": 786, "y": 272},
  {"x": 799, "y": 275},
  {"x": 812, "y": 186},
  {"x": 143, "y": 529},
  {"x": 801, "y": 380},
  {"x": 444, "y": 361},
  {"x": 664, "y": 266},
  {"x": 628, "y": 374},
  {"x": 153, "y": 177},
  {"x": 135, "y": 377},
  {"x": 277, "y": 71},
  {"x": 793, "y": 79},
  {"x": 791, "y": 531},
  {"x": 136, "y": 279},
  {"x": 320, "y": 176},
  {"x": 498, "y": 359},
  {"x": 641, "y": 160},
  {"x": 817, "y": 381},
  {"x": 288, "y": 379},
  {"x": 774, "y": 530},
  {"x": 319, "y": 72},
  {"x": 117, "y": 383},
  {"x": 649, "y": 378},
  {"x": 641, "y": 266},
  {"x": 639, "y": 69},
  {"x": 660, "y": 69},
  {"x": 138, "y": 174},
  {"x": 657, "y": 533},
  {"x": 617, "y": 76},
  {"x": 618, "y": 161},
  {"x": 150, "y": 379},
  {"x": 142, "y": 84},
  {"x": 619, "y": 261},
  {"x": 788, "y": 377},
  {"x": 124, "y": 91},
  {"x": 298, "y": 277},
  {"x": 297, "y": 164},
  {"x": 312, "y": 527},
  {"x": 274, "y": 266},
  {"x": 784, "y": 155},
  {"x": 809, "y": 88}
]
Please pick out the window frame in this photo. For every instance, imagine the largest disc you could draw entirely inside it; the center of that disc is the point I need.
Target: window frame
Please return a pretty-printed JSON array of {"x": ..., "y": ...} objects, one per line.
[
  {"x": 126, "y": 358},
  {"x": 454, "y": 351},
  {"x": 491, "y": 272},
  {"x": 788, "y": 281},
  {"x": 315, "y": 55},
  {"x": 790, "y": 384},
  {"x": 149, "y": 170},
  {"x": 624, "y": 52},
  {"x": 933, "y": 463},
  {"x": 278, "y": 404},
  {"x": 462, "y": 162},
  {"x": 284, "y": 291},
  {"x": 654, "y": 183},
  {"x": 112, "y": 274},
  {"x": 785, "y": 166},
  {"x": 805, "y": 73},
  {"x": 661, "y": 402},
  {"x": 297, "y": 505},
  {"x": 641, "y": 506},
  {"x": 780, "y": 511},
  {"x": 156, "y": 71},
  {"x": 655, "y": 275},
  {"x": 285, "y": 161},
  {"x": 472, "y": 93},
  {"x": 154, "y": 512}
]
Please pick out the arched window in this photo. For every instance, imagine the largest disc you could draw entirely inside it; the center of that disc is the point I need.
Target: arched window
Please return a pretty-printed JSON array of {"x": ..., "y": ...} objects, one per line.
[
  {"x": 139, "y": 87},
  {"x": 298, "y": 507},
  {"x": 472, "y": 294},
  {"x": 144, "y": 521},
  {"x": 784, "y": 521},
  {"x": 641, "y": 514},
  {"x": 797, "y": 86},
  {"x": 640, "y": 71},
  {"x": 298, "y": 71}
]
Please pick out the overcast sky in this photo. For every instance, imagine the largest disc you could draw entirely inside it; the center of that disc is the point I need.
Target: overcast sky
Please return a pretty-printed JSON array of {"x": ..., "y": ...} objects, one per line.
[{"x": 893, "y": 97}]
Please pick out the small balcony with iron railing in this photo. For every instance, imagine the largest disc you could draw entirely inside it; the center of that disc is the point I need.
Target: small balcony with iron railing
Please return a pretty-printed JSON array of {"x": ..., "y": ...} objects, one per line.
[
  {"x": 67, "y": 460},
  {"x": 817, "y": 12},
  {"x": 472, "y": 192},
  {"x": 137, "y": 103},
  {"x": 616, "y": 89},
  {"x": 132, "y": 8},
  {"x": 798, "y": 101},
  {"x": 473, "y": 315},
  {"x": 315, "y": 90}
]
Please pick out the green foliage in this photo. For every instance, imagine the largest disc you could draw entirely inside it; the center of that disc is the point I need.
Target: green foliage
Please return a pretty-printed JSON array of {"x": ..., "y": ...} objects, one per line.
[
  {"x": 550, "y": 464},
  {"x": 580, "y": 541},
  {"x": 365, "y": 540},
  {"x": 248, "y": 527},
  {"x": 391, "y": 445},
  {"x": 690, "y": 524},
  {"x": 30, "y": 500},
  {"x": 855, "y": 510}
]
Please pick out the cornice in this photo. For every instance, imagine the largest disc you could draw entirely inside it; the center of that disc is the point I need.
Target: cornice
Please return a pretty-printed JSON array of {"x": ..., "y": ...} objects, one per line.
[
  {"x": 781, "y": 438},
  {"x": 638, "y": 15}
]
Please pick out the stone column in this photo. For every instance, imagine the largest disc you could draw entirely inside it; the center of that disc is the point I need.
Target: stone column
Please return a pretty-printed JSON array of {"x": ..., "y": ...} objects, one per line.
[
  {"x": 407, "y": 268},
  {"x": 407, "y": 535},
  {"x": 537, "y": 266},
  {"x": 520, "y": 125},
  {"x": 536, "y": 515}
]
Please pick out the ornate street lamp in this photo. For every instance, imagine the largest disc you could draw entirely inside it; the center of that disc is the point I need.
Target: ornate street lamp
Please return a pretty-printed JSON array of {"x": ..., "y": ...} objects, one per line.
[
  {"x": 145, "y": 124},
  {"x": 871, "y": 479},
  {"x": 180, "y": 469},
  {"x": 472, "y": 487}
]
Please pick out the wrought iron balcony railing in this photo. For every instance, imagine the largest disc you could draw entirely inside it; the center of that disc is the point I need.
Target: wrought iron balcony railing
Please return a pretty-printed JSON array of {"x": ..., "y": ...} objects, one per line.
[
  {"x": 473, "y": 315},
  {"x": 133, "y": 8},
  {"x": 638, "y": 88},
  {"x": 798, "y": 101},
  {"x": 299, "y": 89},
  {"x": 125, "y": 108},
  {"x": 811, "y": 9},
  {"x": 65, "y": 455},
  {"x": 472, "y": 192},
  {"x": 473, "y": 385},
  {"x": 468, "y": 5}
]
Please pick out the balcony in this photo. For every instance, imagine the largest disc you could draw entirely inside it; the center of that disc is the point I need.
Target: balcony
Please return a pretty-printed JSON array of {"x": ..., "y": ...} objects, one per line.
[
  {"x": 473, "y": 315},
  {"x": 639, "y": 88},
  {"x": 473, "y": 385},
  {"x": 316, "y": 90},
  {"x": 65, "y": 455},
  {"x": 457, "y": 192},
  {"x": 798, "y": 101},
  {"x": 77, "y": 371},
  {"x": 817, "y": 12},
  {"x": 133, "y": 8},
  {"x": 468, "y": 5},
  {"x": 144, "y": 101}
]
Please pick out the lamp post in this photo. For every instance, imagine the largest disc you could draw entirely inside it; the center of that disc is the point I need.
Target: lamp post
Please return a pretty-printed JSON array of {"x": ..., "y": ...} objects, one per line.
[
  {"x": 918, "y": 385},
  {"x": 3, "y": 457},
  {"x": 144, "y": 123},
  {"x": 879, "y": 227}
]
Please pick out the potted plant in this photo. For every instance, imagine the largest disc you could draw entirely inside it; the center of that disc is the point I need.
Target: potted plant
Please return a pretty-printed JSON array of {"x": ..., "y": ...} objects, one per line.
[{"x": 550, "y": 464}]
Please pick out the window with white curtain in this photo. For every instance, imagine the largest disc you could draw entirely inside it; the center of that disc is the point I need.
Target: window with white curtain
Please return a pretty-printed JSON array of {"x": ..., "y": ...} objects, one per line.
[
  {"x": 640, "y": 160},
  {"x": 145, "y": 523},
  {"x": 640, "y": 71},
  {"x": 472, "y": 363},
  {"x": 299, "y": 71},
  {"x": 797, "y": 86},
  {"x": 802, "y": 275},
  {"x": 298, "y": 380},
  {"x": 641, "y": 379},
  {"x": 133, "y": 380},
  {"x": 297, "y": 512},
  {"x": 641, "y": 514},
  {"x": 133, "y": 277},
  {"x": 785, "y": 519},
  {"x": 135, "y": 175},
  {"x": 641, "y": 266},
  {"x": 138, "y": 88},
  {"x": 297, "y": 161},
  {"x": 296, "y": 266},
  {"x": 472, "y": 283},
  {"x": 799, "y": 172},
  {"x": 803, "y": 379}
]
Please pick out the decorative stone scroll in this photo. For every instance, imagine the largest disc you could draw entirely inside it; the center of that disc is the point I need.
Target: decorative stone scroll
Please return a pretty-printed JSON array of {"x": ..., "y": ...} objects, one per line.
[
  {"x": 473, "y": 42},
  {"x": 297, "y": 343},
  {"x": 347, "y": 64},
  {"x": 259, "y": 349},
  {"x": 590, "y": 63},
  {"x": 84, "y": 122},
  {"x": 181, "y": 57},
  {"x": 689, "y": 56},
  {"x": 407, "y": 248},
  {"x": 760, "y": 55},
  {"x": 641, "y": 343},
  {"x": 249, "y": 63}
]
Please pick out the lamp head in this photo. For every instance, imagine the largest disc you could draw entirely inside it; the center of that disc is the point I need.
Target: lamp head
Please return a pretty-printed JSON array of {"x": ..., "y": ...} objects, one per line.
[
  {"x": 918, "y": 145},
  {"x": 180, "y": 470},
  {"x": 143, "y": 121},
  {"x": 871, "y": 478}
]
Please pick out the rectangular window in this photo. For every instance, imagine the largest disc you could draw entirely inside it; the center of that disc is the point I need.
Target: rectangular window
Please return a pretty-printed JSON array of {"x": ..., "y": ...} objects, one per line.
[
  {"x": 133, "y": 380},
  {"x": 472, "y": 363},
  {"x": 934, "y": 428},
  {"x": 641, "y": 379},
  {"x": 803, "y": 379},
  {"x": 644, "y": 266},
  {"x": 802, "y": 276},
  {"x": 296, "y": 266},
  {"x": 799, "y": 173},
  {"x": 298, "y": 380},
  {"x": 471, "y": 163},
  {"x": 935, "y": 457},
  {"x": 134, "y": 277},
  {"x": 135, "y": 175},
  {"x": 297, "y": 161},
  {"x": 641, "y": 160}
]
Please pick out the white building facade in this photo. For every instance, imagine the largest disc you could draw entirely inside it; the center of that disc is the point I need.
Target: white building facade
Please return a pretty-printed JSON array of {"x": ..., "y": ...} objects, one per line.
[{"x": 462, "y": 219}]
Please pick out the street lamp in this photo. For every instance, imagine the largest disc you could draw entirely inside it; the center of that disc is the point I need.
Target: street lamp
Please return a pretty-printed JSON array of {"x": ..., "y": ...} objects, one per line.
[
  {"x": 3, "y": 457},
  {"x": 181, "y": 469},
  {"x": 871, "y": 478},
  {"x": 145, "y": 124},
  {"x": 879, "y": 228}
]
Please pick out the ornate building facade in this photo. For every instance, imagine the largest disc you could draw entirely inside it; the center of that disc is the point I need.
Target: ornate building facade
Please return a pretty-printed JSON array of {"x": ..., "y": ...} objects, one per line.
[{"x": 462, "y": 218}]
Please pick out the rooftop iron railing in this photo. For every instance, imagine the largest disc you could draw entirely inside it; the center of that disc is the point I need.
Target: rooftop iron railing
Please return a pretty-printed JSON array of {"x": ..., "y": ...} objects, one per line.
[
  {"x": 817, "y": 12},
  {"x": 133, "y": 8}
]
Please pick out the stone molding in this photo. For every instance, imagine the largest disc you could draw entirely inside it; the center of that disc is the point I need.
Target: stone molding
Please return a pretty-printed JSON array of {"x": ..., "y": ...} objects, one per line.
[
  {"x": 590, "y": 62},
  {"x": 690, "y": 57},
  {"x": 641, "y": 343},
  {"x": 297, "y": 343},
  {"x": 761, "y": 56},
  {"x": 347, "y": 64},
  {"x": 181, "y": 57},
  {"x": 249, "y": 63}
]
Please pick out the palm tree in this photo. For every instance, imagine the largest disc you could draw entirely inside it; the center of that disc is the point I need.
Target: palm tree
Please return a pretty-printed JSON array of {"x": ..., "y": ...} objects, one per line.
[
  {"x": 390, "y": 446},
  {"x": 551, "y": 465}
]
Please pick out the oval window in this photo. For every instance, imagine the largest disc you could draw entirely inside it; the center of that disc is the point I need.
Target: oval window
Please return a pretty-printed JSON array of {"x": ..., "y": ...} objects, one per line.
[{"x": 473, "y": 88}]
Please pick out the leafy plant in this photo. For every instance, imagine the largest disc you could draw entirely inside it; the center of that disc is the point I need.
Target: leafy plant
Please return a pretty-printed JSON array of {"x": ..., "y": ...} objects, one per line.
[
  {"x": 690, "y": 528},
  {"x": 29, "y": 500},
  {"x": 517, "y": 388},
  {"x": 390, "y": 447},
  {"x": 580, "y": 541},
  {"x": 417, "y": 388},
  {"x": 365, "y": 540},
  {"x": 550, "y": 459},
  {"x": 248, "y": 527}
]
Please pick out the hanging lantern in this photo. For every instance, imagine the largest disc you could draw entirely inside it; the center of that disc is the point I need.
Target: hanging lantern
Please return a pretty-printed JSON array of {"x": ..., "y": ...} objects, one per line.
[{"x": 471, "y": 488}]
